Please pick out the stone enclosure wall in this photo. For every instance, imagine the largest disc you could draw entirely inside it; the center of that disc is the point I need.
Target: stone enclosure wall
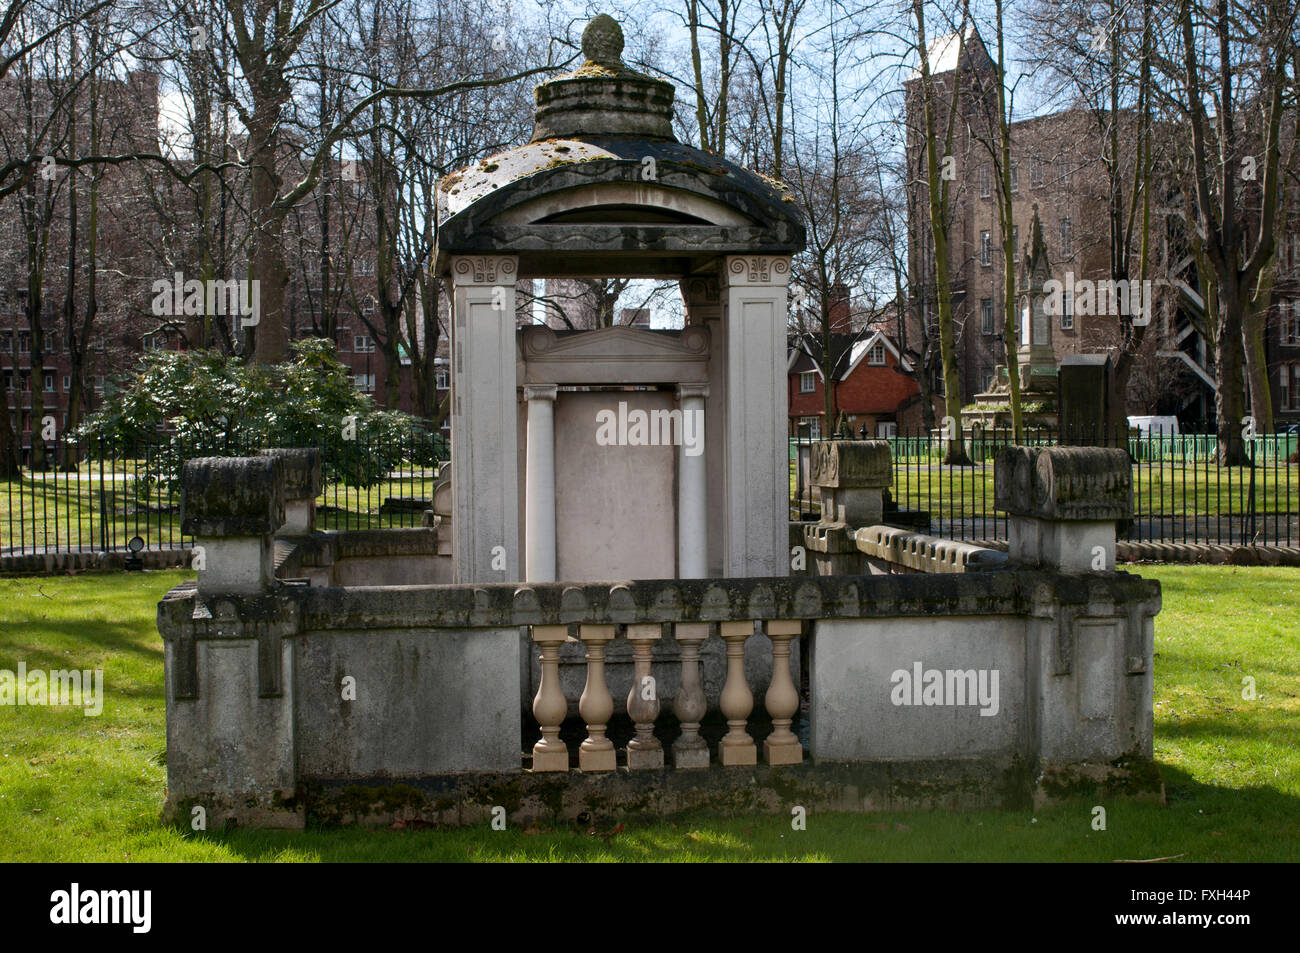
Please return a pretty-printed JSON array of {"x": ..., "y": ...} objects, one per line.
[{"x": 938, "y": 675}]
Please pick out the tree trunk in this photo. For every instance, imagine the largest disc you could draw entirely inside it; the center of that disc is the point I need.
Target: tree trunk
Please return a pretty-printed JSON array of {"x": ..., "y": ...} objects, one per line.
[
  {"x": 9, "y": 468},
  {"x": 1261, "y": 398},
  {"x": 267, "y": 259},
  {"x": 955, "y": 449},
  {"x": 1230, "y": 404}
]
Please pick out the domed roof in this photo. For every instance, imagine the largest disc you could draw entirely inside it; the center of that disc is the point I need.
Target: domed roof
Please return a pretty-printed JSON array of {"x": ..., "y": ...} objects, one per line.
[{"x": 604, "y": 187}]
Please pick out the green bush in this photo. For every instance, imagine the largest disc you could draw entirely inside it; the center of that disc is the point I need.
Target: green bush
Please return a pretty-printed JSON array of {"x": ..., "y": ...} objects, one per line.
[{"x": 185, "y": 404}]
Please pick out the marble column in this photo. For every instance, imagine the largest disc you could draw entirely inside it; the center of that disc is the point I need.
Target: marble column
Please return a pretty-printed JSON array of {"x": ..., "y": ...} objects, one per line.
[
  {"x": 756, "y": 540},
  {"x": 692, "y": 488},
  {"x": 484, "y": 443},
  {"x": 539, "y": 488}
]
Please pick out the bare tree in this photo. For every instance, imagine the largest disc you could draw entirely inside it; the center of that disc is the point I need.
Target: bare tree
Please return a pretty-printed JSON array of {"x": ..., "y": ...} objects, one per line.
[{"x": 1221, "y": 155}]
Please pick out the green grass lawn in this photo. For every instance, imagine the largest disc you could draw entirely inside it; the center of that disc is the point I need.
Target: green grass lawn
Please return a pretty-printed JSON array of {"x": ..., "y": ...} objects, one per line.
[{"x": 79, "y": 788}]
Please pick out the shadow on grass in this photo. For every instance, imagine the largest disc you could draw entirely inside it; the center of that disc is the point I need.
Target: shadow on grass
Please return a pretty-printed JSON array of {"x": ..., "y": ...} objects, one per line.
[
  {"x": 1201, "y": 822},
  {"x": 1257, "y": 809},
  {"x": 104, "y": 636},
  {"x": 1205, "y": 728}
]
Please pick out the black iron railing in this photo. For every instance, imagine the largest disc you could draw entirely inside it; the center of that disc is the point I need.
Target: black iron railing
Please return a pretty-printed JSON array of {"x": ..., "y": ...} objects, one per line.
[
  {"x": 97, "y": 494},
  {"x": 1180, "y": 492}
]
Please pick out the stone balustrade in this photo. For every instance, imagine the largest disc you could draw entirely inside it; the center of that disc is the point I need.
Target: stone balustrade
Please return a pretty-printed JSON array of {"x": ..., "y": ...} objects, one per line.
[{"x": 644, "y": 751}]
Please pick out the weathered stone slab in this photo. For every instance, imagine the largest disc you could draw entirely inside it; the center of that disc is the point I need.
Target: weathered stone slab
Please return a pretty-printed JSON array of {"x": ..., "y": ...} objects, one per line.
[
  {"x": 903, "y": 689},
  {"x": 302, "y": 471},
  {"x": 1064, "y": 483},
  {"x": 425, "y": 702},
  {"x": 232, "y": 496}
]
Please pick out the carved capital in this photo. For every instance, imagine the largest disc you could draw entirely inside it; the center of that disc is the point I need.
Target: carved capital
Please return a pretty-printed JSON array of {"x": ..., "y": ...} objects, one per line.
[
  {"x": 484, "y": 269},
  {"x": 700, "y": 290},
  {"x": 757, "y": 270},
  {"x": 540, "y": 391},
  {"x": 692, "y": 390}
]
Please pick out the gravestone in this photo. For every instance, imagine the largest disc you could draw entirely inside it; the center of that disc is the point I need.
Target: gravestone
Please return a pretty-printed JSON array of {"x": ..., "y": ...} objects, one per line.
[{"x": 1084, "y": 397}]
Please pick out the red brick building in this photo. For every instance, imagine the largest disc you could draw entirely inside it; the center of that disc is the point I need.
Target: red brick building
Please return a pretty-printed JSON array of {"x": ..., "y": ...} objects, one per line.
[{"x": 872, "y": 385}]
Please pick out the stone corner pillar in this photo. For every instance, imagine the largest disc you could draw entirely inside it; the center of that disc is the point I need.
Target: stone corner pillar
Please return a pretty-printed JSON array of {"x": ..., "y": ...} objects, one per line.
[
  {"x": 228, "y": 654},
  {"x": 302, "y": 484},
  {"x": 756, "y": 466},
  {"x": 852, "y": 476},
  {"x": 232, "y": 506},
  {"x": 1063, "y": 504},
  {"x": 484, "y": 427}
]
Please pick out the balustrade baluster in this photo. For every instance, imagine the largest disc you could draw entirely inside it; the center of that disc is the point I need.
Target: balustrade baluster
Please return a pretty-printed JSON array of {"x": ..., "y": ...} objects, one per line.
[
  {"x": 596, "y": 704},
  {"x": 549, "y": 707},
  {"x": 737, "y": 747},
  {"x": 690, "y": 705},
  {"x": 782, "y": 700},
  {"x": 644, "y": 752}
]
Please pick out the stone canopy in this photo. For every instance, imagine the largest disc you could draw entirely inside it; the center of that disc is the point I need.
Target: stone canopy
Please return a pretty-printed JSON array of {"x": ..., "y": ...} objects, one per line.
[{"x": 604, "y": 174}]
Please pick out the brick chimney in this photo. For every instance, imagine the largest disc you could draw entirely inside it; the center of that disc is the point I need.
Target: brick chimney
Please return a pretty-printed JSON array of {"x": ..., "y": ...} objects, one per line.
[{"x": 840, "y": 309}]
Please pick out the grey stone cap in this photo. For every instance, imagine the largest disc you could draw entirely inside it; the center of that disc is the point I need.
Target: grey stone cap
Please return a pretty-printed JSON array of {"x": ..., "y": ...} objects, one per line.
[
  {"x": 927, "y": 553},
  {"x": 302, "y": 472},
  {"x": 183, "y": 613},
  {"x": 594, "y": 102},
  {"x": 852, "y": 464},
  {"x": 1016, "y": 592},
  {"x": 1064, "y": 483},
  {"x": 603, "y": 96},
  {"x": 232, "y": 496}
]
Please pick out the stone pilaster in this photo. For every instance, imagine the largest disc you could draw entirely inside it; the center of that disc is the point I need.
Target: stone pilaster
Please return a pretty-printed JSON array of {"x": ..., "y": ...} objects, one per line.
[
  {"x": 539, "y": 486},
  {"x": 756, "y": 472},
  {"x": 484, "y": 483}
]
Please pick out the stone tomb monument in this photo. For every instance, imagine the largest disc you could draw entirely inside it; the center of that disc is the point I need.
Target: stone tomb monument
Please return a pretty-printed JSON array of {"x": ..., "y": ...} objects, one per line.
[
  {"x": 327, "y": 677},
  {"x": 1035, "y": 358},
  {"x": 697, "y": 486}
]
